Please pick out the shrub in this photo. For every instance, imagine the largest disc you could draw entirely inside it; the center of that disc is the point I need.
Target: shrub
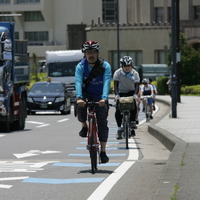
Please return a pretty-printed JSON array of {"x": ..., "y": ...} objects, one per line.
[
  {"x": 192, "y": 90},
  {"x": 161, "y": 85}
]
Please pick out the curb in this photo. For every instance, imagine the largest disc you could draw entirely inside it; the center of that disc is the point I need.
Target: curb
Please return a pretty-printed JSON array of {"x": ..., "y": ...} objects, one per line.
[
  {"x": 171, "y": 174},
  {"x": 166, "y": 138}
]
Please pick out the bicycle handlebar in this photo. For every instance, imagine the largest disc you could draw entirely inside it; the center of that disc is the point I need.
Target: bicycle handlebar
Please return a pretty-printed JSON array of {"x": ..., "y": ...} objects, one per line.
[{"x": 146, "y": 96}]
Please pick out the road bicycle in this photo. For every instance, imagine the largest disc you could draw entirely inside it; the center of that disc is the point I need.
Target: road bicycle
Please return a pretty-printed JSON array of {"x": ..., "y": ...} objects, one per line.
[
  {"x": 125, "y": 105},
  {"x": 147, "y": 107},
  {"x": 93, "y": 142}
]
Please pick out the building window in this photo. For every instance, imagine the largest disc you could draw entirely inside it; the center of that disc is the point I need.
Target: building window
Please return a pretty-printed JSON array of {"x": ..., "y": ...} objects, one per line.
[
  {"x": 33, "y": 16},
  {"x": 17, "y": 35},
  {"x": 28, "y": 1},
  {"x": 197, "y": 12},
  {"x": 5, "y": 17},
  {"x": 136, "y": 55},
  {"x": 169, "y": 15},
  {"x": 4, "y": 1},
  {"x": 109, "y": 10},
  {"x": 160, "y": 56},
  {"x": 40, "y": 36},
  {"x": 159, "y": 14}
]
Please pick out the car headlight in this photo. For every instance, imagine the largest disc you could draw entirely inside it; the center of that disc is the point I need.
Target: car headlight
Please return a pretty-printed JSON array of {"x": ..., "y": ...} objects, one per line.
[
  {"x": 59, "y": 99},
  {"x": 29, "y": 99}
]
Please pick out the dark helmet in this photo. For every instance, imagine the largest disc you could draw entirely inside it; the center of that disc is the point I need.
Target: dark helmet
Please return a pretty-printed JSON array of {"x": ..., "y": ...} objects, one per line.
[
  {"x": 145, "y": 81},
  {"x": 126, "y": 60},
  {"x": 89, "y": 45}
]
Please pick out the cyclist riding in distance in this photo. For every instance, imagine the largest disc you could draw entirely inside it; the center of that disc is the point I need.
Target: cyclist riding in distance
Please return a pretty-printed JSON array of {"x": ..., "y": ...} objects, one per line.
[
  {"x": 126, "y": 83},
  {"x": 154, "y": 93},
  {"x": 92, "y": 81},
  {"x": 147, "y": 90}
]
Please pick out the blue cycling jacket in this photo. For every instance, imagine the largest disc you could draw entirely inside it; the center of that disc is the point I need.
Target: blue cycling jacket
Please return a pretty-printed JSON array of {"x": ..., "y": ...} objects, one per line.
[{"x": 99, "y": 87}]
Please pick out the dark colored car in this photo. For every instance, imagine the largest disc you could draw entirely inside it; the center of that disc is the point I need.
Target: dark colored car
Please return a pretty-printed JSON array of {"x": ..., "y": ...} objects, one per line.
[{"x": 48, "y": 96}]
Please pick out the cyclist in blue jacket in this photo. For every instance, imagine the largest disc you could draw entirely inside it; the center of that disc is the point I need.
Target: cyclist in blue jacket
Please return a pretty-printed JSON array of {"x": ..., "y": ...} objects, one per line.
[{"x": 92, "y": 80}]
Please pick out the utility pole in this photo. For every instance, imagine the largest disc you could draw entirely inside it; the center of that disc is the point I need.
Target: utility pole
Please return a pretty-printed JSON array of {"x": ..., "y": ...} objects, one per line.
[
  {"x": 118, "y": 50},
  {"x": 178, "y": 51},
  {"x": 173, "y": 61}
]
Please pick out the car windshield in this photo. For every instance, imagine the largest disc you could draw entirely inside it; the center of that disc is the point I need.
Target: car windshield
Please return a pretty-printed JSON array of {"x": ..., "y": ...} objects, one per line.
[
  {"x": 47, "y": 88},
  {"x": 62, "y": 69}
]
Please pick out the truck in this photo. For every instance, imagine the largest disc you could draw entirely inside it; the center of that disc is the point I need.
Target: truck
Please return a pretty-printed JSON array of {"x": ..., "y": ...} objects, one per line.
[
  {"x": 61, "y": 67},
  {"x": 14, "y": 79}
]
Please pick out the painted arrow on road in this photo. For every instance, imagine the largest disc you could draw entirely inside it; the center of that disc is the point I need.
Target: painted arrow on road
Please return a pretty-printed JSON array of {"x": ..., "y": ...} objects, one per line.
[{"x": 34, "y": 153}]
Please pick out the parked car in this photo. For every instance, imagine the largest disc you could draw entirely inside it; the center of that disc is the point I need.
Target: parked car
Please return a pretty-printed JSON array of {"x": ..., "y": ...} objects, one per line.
[{"x": 48, "y": 96}]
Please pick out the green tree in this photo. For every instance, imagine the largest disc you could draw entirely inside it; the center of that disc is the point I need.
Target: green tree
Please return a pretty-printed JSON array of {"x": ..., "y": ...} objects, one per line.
[{"x": 190, "y": 63}]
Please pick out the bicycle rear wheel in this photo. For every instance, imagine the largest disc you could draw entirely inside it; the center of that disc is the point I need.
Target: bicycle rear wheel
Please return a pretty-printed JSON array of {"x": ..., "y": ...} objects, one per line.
[{"x": 126, "y": 129}]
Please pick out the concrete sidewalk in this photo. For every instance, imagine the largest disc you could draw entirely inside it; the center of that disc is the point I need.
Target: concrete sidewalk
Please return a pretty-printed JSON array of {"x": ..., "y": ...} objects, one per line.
[{"x": 181, "y": 178}]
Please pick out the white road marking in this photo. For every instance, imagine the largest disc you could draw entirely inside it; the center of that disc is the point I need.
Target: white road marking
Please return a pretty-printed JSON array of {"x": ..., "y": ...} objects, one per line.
[
  {"x": 2, "y": 135},
  {"x": 110, "y": 181},
  {"x": 63, "y": 120},
  {"x": 34, "y": 153},
  {"x": 39, "y": 123},
  {"x": 24, "y": 155},
  {"x": 22, "y": 166},
  {"x": 5, "y": 186},
  {"x": 105, "y": 186},
  {"x": 34, "y": 122},
  {"x": 13, "y": 178},
  {"x": 43, "y": 125}
]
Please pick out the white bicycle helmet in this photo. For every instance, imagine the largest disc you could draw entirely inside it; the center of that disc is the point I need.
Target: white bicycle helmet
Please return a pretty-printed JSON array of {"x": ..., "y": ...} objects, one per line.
[
  {"x": 89, "y": 45},
  {"x": 145, "y": 81},
  {"x": 126, "y": 60}
]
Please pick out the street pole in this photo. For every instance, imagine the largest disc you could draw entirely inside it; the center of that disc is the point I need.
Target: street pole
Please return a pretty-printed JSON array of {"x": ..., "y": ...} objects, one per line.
[
  {"x": 173, "y": 61},
  {"x": 178, "y": 50},
  {"x": 118, "y": 51}
]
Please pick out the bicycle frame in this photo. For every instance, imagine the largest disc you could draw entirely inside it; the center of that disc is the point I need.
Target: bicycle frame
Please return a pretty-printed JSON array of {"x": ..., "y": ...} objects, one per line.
[{"x": 93, "y": 142}]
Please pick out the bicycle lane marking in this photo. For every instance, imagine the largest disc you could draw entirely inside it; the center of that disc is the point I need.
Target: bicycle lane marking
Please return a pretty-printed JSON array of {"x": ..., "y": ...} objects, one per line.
[{"x": 105, "y": 187}]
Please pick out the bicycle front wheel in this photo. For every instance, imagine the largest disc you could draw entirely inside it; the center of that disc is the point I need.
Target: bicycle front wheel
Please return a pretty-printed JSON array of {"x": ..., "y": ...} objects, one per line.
[
  {"x": 126, "y": 129},
  {"x": 147, "y": 113},
  {"x": 93, "y": 150},
  {"x": 93, "y": 157}
]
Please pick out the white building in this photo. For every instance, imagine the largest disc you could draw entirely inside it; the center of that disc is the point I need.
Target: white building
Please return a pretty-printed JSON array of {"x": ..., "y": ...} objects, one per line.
[{"x": 65, "y": 24}]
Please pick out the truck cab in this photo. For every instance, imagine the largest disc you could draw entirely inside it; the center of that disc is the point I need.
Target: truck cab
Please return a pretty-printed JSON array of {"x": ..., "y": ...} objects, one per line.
[{"x": 13, "y": 91}]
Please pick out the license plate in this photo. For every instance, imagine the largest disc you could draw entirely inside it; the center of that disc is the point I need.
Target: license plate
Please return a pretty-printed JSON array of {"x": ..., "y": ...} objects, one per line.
[{"x": 43, "y": 106}]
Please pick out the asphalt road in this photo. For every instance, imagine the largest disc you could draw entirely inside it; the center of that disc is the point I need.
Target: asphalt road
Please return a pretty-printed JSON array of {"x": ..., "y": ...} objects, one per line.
[{"x": 48, "y": 160}]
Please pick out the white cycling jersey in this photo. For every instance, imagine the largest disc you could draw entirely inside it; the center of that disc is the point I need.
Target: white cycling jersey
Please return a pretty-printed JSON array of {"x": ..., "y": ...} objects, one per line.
[
  {"x": 146, "y": 90},
  {"x": 126, "y": 80}
]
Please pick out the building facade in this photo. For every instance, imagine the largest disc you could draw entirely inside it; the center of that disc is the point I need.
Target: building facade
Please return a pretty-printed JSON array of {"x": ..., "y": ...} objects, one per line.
[{"x": 143, "y": 31}]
